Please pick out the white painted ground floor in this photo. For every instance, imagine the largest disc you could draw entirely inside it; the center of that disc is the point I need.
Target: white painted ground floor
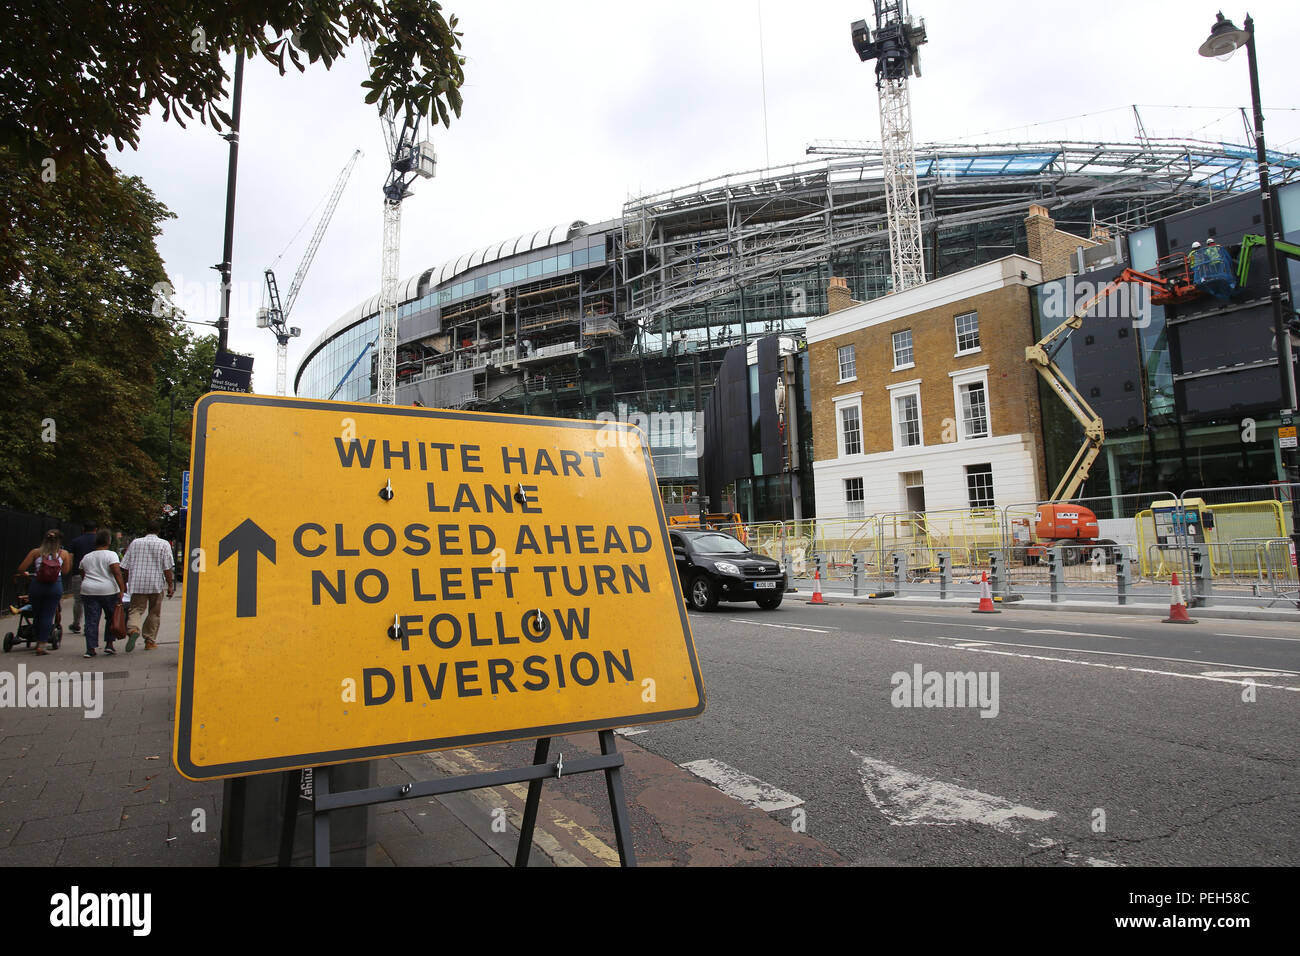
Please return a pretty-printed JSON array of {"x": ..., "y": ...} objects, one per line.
[{"x": 986, "y": 472}]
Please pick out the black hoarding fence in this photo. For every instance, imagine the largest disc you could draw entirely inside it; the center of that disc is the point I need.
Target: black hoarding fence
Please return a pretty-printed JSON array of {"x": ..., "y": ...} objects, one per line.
[{"x": 20, "y": 531}]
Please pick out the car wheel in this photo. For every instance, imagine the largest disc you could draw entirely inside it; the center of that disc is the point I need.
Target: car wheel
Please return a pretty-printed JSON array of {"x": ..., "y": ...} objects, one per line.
[
  {"x": 704, "y": 594},
  {"x": 770, "y": 602}
]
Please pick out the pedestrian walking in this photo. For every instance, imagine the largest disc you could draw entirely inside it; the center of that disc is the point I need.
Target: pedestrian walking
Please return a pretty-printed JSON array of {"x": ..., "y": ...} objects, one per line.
[
  {"x": 148, "y": 565},
  {"x": 80, "y": 546},
  {"x": 48, "y": 563},
  {"x": 101, "y": 588}
]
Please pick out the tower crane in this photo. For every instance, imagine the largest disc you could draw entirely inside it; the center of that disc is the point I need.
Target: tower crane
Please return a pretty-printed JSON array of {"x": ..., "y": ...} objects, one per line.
[
  {"x": 275, "y": 316},
  {"x": 895, "y": 50},
  {"x": 409, "y": 158}
]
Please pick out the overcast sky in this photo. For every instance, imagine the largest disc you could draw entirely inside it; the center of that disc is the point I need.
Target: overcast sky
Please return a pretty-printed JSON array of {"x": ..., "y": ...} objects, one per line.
[{"x": 572, "y": 107}]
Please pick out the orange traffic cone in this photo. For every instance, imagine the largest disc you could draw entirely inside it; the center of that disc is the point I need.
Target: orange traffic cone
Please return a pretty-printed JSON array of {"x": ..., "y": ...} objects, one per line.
[
  {"x": 817, "y": 588},
  {"x": 986, "y": 597},
  {"x": 1177, "y": 607}
]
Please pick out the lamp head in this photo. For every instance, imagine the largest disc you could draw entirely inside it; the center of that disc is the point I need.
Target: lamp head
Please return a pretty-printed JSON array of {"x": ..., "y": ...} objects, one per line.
[{"x": 1224, "y": 39}]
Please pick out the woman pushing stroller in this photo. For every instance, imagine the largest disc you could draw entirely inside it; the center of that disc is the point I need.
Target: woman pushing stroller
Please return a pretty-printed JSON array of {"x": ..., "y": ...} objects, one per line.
[{"x": 48, "y": 564}]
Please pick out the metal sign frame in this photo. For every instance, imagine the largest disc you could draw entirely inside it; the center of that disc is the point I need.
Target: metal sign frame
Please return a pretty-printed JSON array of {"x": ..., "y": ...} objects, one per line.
[{"x": 324, "y": 801}]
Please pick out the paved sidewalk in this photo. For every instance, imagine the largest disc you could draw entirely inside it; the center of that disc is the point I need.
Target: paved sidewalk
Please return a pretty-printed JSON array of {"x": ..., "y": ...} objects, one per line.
[{"x": 83, "y": 790}]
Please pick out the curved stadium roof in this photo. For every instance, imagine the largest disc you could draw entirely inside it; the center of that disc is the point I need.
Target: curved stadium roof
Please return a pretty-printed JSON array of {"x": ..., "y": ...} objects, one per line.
[{"x": 1149, "y": 179}]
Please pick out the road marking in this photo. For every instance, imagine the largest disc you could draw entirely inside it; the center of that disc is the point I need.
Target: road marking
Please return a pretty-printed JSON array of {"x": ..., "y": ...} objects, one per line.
[
  {"x": 1258, "y": 637},
  {"x": 1044, "y": 843},
  {"x": 629, "y": 731},
  {"x": 741, "y": 786},
  {"x": 491, "y": 798},
  {"x": 1151, "y": 657},
  {"x": 1116, "y": 667},
  {"x": 1245, "y": 674},
  {"x": 1048, "y": 630},
  {"x": 978, "y": 627},
  {"x": 972, "y": 644},
  {"x": 908, "y": 799},
  {"x": 1024, "y": 630},
  {"x": 784, "y": 627}
]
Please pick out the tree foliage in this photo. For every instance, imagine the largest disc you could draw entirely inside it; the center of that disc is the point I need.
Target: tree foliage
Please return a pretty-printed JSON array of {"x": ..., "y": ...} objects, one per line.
[
  {"x": 79, "y": 73},
  {"x": 80, "y": 344}
]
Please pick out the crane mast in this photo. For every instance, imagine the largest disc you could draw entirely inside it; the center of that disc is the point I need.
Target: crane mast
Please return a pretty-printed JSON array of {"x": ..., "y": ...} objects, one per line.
[
  {"x": 895, "y": 50},
  {"x": 409, "y": 158}
]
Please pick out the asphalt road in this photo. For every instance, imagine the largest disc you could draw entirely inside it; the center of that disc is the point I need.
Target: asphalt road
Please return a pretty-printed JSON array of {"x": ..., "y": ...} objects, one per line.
[{"x": 1108, "y": 740}]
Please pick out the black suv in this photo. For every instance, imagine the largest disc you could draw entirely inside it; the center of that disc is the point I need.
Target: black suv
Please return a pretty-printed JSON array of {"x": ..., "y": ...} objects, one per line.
[{"x": 713, "y": 567}]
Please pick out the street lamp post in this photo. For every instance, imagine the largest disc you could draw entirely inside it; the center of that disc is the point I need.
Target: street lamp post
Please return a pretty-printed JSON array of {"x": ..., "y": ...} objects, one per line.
[
  {"x": 1225, "y": 38},
  {"x": 171, "y": 416}
]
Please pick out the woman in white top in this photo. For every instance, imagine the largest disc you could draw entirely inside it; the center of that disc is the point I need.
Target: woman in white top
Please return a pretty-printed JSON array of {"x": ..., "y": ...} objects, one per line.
[{"x": 101, "y": 590}]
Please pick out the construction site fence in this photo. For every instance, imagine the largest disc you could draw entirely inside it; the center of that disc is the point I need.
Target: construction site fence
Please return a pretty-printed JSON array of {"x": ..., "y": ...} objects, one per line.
[{"x": 1227, "y": 545}]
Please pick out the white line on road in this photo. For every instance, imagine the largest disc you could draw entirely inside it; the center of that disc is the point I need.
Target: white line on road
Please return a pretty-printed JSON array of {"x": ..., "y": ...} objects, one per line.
[
  {"x": 978, "y": 627},
  {"x": 1246, "y": 674},
  {"x": 1024, "y": 630},
  {"x": 1258, "y": 637},
  {"x": 972, "y": 644},
  {"x": 1115, "y": 667},
  {"x": 1048, "y": 630},
  {"x": 908, "y": 799},
  {"x": 784, "y": 627},
  {"x": 741, "y": 786},
  {"x": 1150, "y": 657},
  {"x": 629, "y": 731}
]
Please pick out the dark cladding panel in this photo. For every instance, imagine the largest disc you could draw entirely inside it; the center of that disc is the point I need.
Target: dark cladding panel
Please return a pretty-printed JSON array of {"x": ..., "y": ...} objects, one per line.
[
  {"x": 1229, "y": 395},
  {"x": 1236, "y": 338},
  {"x": 726, "y": 426},
  {"x": 769, "y": 358},
  {"x": 1107, "y": 369}
]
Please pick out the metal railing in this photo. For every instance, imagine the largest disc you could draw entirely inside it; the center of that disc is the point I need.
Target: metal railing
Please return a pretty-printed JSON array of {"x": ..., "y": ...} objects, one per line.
[{"x": 1227, "y": 545}]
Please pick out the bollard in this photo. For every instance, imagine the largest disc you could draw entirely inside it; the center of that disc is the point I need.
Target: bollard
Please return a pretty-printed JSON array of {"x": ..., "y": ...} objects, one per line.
[
  {"x": 1202, "y": 576},
  {"x": 788, "y": 563},
  {"x": 1122, "y": 579},
  {"x": 900, "y": 571},
  {"x": 995, "y": 572},
  {"x": 817, "y": 564},
  {"x": 1055, "y": 578},
  {"x": 859, "y": 562},
  {"x": 945, "y": 574}
]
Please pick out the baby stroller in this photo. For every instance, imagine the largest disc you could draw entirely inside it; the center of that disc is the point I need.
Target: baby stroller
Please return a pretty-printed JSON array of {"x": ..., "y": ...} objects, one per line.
[{"x": 26, "y": 633}]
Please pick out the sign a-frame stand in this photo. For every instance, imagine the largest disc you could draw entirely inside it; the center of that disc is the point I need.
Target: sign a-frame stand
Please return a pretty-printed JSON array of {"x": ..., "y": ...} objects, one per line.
[
  {"x": 359, "y": 535},
  {"x": 541, "y": 769}
]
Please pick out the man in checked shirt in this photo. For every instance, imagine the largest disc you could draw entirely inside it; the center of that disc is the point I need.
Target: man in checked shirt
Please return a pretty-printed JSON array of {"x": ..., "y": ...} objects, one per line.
[{"x": 147, "y": 566}]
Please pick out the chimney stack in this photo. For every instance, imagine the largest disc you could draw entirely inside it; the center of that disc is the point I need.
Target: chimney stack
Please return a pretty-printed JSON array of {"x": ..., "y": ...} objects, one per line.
[{"x": 837, "y": 295}]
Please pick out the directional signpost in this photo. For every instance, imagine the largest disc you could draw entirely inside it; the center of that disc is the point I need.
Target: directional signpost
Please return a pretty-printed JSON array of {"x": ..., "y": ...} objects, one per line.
[{"x": 370, "y": 581}]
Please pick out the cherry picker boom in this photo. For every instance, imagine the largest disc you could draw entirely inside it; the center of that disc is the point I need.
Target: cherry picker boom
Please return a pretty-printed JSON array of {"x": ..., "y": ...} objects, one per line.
[{"x": 1078, "y": 525}]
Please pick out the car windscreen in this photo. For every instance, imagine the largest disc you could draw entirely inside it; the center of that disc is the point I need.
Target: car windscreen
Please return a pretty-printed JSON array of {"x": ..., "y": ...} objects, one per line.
[{"x": 717, "y": 544}]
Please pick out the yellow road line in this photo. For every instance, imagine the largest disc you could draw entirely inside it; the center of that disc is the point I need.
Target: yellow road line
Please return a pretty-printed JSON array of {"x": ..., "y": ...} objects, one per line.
[{"x": 469, "y": 762}]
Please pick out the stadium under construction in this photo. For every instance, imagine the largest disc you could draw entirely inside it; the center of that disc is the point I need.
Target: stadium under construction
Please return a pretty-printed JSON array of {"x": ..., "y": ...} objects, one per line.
[{"x": 631, "y": 317}]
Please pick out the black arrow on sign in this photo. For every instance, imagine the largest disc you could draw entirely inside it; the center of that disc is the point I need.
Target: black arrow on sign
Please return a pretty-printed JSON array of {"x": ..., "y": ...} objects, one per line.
[{"x": 245, "y": 542}]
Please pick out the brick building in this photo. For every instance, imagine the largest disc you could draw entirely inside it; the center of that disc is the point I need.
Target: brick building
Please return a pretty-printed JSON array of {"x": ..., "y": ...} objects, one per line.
[{"x": 922, "y": 400}]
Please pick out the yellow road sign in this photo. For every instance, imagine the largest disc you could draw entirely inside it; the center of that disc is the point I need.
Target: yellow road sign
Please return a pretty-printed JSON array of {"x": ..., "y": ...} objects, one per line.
[{"x": 368, "y": 581}]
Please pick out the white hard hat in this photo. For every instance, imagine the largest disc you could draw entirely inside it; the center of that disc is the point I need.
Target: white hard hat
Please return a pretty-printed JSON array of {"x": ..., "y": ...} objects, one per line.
[{"x": 1196, "y": 245}]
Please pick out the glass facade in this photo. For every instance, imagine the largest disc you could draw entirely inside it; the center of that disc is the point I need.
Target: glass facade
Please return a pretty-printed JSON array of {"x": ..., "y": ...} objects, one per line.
[
  {"x": 554, "y": 260},
  {"x": 327, "y": 367}
]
